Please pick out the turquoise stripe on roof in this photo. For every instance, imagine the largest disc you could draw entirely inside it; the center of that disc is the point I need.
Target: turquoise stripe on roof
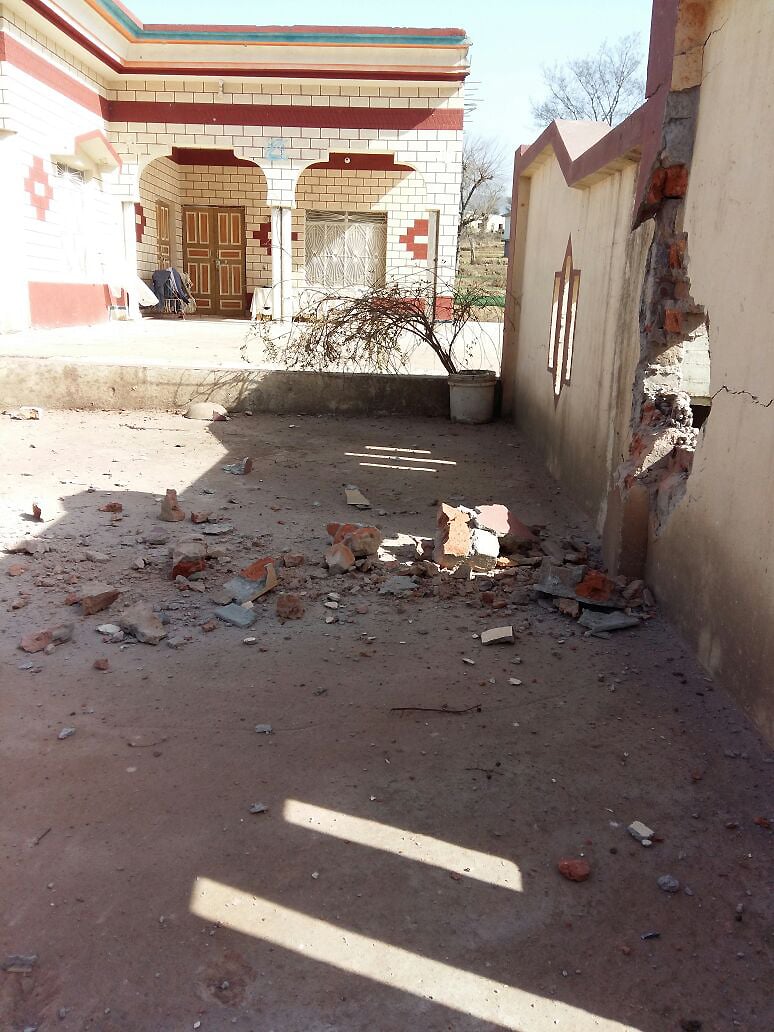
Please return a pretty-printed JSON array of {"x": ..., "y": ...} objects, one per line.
[{"x": 289, "y": 36}]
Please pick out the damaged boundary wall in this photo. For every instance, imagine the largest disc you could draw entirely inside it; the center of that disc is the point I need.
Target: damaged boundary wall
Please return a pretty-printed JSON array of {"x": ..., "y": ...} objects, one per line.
[{"x": 642, "y": 367}]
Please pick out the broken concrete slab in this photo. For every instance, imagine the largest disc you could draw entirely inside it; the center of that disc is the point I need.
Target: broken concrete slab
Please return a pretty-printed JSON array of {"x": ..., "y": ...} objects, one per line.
[
  {"x": 497, "y": 636},
  {"x": 142, "y": 623},
  {"x": 355, "y": 497},
  {"x": 236, "y": 615},
  {"x": 603, "y": 622},
  {"x": 207, "y": 411},
  {"x": 484, "y": 550},
  {"x": 559, "y": 581},
  {"x": 398, "y": 586},
  {"x": 244, "y": 589}
]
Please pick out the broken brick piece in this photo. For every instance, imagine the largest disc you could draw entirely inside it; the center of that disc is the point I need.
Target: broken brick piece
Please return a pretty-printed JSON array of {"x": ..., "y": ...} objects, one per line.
[
  {"x": 96, "y": 596},
  {"x": 568, "y": 606},
  {"x": 170, "y": 509},
  {"x": 673, "y": 320},
  {"x": 363, "y": 541},
  {"x": 185, "y": 567},
  {"x": 200, "y": 517},
  {"x": 36, "y": 511},
  {"x": 258, "y": 570},
  {"x": 339, "y": 558},
  {"x": 111, "y": 507},
  {"x": 290, "y": 607},
  {"x": 453, "y": 539},
  {"x": 675, "y": 181},
  {"x": 209, "y": 625},
  {"x": 574, "y": 870},
  {"x": 16, "y": 570},
  {"x": 36, "y": 642},
  {"x": 595, "y": 586},
  {"x": 291, "y": 559},
  {"x": 102, "y": 663}
]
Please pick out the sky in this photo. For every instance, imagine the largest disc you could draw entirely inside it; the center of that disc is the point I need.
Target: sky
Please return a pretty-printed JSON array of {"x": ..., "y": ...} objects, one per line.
[{"x": 512, "y": 40}]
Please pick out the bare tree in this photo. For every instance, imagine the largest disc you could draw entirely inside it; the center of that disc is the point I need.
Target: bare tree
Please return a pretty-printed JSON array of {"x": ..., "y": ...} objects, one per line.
[
  {"x": 604, "y": 87},
  {"x": 481, "y": 189}
]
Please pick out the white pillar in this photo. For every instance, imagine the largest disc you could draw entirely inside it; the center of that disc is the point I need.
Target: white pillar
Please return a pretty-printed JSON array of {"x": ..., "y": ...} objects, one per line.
[
  {"x": 286, "y": 278},
  {"x": 276, "y": 263},
  {"x": 14, "y": 279},
  {"x": 130, "y": 255}
]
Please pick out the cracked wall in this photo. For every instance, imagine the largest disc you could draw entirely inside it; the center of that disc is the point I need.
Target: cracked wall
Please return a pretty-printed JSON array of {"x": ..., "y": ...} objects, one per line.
[{"x": 711, "y": 552}]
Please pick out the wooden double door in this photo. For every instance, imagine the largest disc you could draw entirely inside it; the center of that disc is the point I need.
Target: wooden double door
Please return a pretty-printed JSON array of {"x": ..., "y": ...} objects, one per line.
[{"x": 214, "y": 258}]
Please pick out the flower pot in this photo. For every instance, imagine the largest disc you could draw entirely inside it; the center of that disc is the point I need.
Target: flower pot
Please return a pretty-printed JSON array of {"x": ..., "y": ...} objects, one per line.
[{"x": 471, "y": 396}]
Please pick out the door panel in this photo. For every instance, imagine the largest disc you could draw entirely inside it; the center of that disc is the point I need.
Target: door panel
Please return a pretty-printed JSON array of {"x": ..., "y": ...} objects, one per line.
[
  {"x": 214, "y": 246},
  {"x": 163, "y": 240}
]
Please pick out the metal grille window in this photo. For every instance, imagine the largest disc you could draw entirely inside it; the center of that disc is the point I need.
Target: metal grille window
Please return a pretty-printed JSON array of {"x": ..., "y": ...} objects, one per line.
[
  {"x": 71, "y": 175},
  {"x": 346, "y": 249}
]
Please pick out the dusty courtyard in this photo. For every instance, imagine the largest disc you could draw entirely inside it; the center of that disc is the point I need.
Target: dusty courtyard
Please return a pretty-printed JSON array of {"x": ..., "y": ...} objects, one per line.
[{"x": 404, "y": 875}]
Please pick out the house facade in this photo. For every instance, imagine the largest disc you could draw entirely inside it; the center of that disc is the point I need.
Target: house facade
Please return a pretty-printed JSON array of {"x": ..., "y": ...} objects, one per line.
[
  {"x": 637, "y": 352},
  {"x": 261, "y": 160}
]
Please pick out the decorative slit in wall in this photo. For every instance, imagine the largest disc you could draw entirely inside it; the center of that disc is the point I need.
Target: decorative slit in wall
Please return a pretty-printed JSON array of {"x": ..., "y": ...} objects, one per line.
[{"x": 564, "y": 307}]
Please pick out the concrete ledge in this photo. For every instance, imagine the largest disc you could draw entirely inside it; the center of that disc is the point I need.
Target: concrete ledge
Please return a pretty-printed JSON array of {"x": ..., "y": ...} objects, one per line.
[{"x": 69, "y": 384}]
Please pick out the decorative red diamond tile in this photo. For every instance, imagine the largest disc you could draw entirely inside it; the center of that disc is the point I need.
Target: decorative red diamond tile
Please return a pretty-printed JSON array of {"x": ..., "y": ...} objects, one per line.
[
  {"x": 415, "y": 246},
  {"x": 263, "y": 235},
  {"x": 38, "y": 187}
]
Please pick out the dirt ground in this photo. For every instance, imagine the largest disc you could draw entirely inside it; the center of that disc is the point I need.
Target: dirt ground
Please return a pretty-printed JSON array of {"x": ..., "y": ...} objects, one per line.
[{"x": 405, "y": 873}]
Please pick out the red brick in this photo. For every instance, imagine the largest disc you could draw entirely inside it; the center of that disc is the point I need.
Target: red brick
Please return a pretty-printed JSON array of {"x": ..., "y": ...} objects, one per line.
[
  {"x": 676, "y": 181},
  {"x": 574, "y": 870},
  {"x": 673, "y": 320}
]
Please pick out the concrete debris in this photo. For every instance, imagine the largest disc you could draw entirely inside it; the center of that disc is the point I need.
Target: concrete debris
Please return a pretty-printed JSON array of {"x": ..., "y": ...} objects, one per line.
[
  {"x": 142, "y": 623},
  {"x": 108, "y": 628},
  {"x": 339, "y": 558},
  {"x": 62, "y": 633},
  {"x": 259, "y": 808},
  {"x": 239, "y": 469},
  {"x": 559, "y": 581},
  {"x": 236, "y": 615},
  {"x": 667, "y": 883},
  {"x": 290, "y": 607},
  {"x": 97, "y": 596},
  {"x": 398, "y": 585},
  {"x": 138, "y": 563},
  {"x": 263, "y": 729},
  {"x": 497, "y": 635},
  {"x": 24, "y": 412},
  {"x": 30, "y": 546},
  {"x": 574, "y": 870},
  {"x": 216, "y": 529},
  {"x": 156, "y": 536},
  {"x": 247, "y": 589},
  {"x": 603, "y": 622},
  {"x": 207, "y": 411},
  {"x": 568, "y": 606},
  {"x": 93, "y": 556},
  {"x": 66, "y": 732},
  {"x": 170, "y": 509},
  {"x": 355, "y": 497},
  {"x": 19, "y": 964},
  {"x": 553, "y": 550},
  {"x": 472, "y": 539},
  {"x": 188, "y": 556},
  {"x": 641, "y": 831}
]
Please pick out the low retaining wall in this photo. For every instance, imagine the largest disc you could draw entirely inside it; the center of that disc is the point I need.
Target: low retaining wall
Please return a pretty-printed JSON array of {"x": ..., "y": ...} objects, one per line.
[{"x": 66, "y": 384}]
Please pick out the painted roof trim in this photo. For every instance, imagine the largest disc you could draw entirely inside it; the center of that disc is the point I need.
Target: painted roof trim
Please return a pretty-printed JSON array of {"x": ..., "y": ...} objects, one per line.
[
  {"x": 112, "y": 35},
  {"x": 133, "y": 29}
]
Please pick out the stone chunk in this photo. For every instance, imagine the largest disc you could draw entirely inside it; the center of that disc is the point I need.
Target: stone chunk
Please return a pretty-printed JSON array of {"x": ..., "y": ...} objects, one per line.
[
  {"x": 568, "y": 606},
  {"x": 596, "y": 622},
  {"x": 290, "y": 607},
  {"x": 668, "y": 883},
  {"x": 497, "y": 635},
  {"x": 37, "y": 641},
  {"x": 97, "y": 596},
  {"x": 239, "y": 469},
  {"x": 18, "y": 964},
  {"x": 398, "y": 586},
  {"x": 170, "y": 509},
  {"x": 142, "y": 623},
  {"x": 236, "y": 615},
  {"x": 200, "y": 517}
]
